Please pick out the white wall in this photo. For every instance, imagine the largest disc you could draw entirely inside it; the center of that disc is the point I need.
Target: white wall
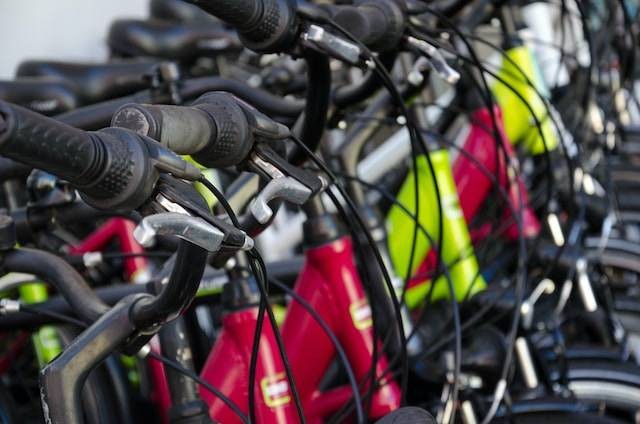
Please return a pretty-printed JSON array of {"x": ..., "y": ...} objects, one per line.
[{"x": 58, "y": 29}]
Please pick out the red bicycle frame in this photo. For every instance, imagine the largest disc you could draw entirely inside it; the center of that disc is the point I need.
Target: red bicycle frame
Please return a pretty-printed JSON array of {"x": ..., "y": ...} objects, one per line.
[
  {"x": 474, "y": 185},
  {"x": 329, "y": 282},
  {"x": 120, "y": 229}
]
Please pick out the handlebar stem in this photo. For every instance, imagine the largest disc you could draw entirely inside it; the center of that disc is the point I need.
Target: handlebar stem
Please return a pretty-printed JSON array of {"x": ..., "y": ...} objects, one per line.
[{"x": 178, "y": 292}]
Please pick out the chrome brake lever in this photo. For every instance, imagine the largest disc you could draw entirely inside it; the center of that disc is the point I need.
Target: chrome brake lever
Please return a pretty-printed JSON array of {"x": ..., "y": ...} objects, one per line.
[
  {"x": 585, "y": 287},
  {"x": 281, "y": 186},
  {"x": 317, "y": 38},
  {"x": 546, "y": 286},
  {"x": 285, "y": 188},
  {"x": 192, "y": 229},
  {"x": 435, "y": 58}
]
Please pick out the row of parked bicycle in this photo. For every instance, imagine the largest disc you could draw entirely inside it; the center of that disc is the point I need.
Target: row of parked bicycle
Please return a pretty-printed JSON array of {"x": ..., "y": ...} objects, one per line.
[{"x": 274, "y": 211}]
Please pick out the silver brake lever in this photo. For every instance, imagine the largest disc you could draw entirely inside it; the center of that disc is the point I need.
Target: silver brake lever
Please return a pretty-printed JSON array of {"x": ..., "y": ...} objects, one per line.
[
  {"x": 285, "y": 188},
  {"x": 546, "y": 286},
  {"x": 192, "y": 229},
  {"x": 317, "y": 38},
  {"x": 280, "y": 186},
  {"x": 435, "y": 58}
]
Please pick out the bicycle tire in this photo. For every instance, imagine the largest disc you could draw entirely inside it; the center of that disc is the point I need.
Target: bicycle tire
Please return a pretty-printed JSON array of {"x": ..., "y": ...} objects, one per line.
[
  {"x": 556, "y": 418},
  {"x": 614, "y": 385}
]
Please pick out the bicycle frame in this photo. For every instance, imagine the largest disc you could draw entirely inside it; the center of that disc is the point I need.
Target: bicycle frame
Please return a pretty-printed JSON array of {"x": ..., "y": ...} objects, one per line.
[
  {"x": 45, "y": 339},
  {"x": 464, "y": 187},
  {"x": 474, "y": 185},
  {"x": 518, "y": 68},
  {"x": 329, "y": 282},
  {"x": 120, "y": 229}
]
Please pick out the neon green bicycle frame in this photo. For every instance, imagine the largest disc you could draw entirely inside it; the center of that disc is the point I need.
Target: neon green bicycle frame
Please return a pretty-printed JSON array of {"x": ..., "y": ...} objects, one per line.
[
  {"x": 45, "y": 340},
  {"x": 457, "y": 252},
  {"x": 518, "y": 70}
]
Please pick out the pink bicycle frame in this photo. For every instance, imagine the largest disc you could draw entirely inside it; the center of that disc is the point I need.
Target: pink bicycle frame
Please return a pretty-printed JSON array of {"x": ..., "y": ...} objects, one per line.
[
  {"x": 474, "y": 185},
  {"x": 119, "y": 229},
  {"x": 329, "y": 282}
]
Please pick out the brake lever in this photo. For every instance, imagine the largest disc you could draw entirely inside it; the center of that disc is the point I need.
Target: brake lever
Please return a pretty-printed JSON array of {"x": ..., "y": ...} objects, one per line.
[
  {"x": 434, "y": 58},
  {"x": 183, "y": 200},
  {"x": 192, "y": 229},
  {"x": 317, "y": 38},
  {"x": 287, "y": 182}
]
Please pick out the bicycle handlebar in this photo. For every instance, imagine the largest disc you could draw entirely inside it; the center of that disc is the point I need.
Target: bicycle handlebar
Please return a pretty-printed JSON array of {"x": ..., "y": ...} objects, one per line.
[
  {"x": 378, "y": 24},
  {"x": 219, "y": 130},
  {"x": 114, "y": 169},
  {"x": 99, "y": 115},
  {"x": 56, "y": 271},
  {"x": 267, "y": 26}
]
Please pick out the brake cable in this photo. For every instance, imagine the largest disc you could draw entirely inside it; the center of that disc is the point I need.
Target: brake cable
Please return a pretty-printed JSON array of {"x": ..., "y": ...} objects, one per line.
[
  {"x": 256, "y": 264},
  {"x": 520, "y": 275}
]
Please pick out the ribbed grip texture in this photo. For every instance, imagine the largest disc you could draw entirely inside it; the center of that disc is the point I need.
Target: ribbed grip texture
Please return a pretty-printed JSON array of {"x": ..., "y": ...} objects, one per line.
[
  {"x": 96, "y": 163},
  {"x": 269, "y": 23},
  {"x": 233, "y": 139},
  {"x": 268, "y": 26},
  {"x": 118, "y": 169},
  {"x": 241, "y": 14},
  {"x": 47, "y": 144}
]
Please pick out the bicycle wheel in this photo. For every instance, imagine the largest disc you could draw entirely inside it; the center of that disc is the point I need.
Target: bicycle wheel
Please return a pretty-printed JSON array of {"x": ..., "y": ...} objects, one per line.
[{"x": 614, "y": 387}]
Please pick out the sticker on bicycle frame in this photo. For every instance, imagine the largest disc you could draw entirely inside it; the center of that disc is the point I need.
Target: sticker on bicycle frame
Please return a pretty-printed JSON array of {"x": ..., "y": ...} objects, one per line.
[
  {"x": 361, "y": 314},
  {"x": 451, "y": 206},
  {"x": 275, "y": 390}
]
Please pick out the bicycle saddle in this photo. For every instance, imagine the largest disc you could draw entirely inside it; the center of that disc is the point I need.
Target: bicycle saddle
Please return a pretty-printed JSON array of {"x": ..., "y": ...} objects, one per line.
[
  {"x": 169, "y": 40},
  {"x": 92, "y": 82},
  {"x": 179, "y": 11},
  {"x": 43, "y": 95}
]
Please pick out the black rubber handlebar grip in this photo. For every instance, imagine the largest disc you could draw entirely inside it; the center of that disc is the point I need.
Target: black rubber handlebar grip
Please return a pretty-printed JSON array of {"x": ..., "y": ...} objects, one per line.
[
  {"x": 378, "y": 24},
  {"x": 233, "y": 137},
  {"x": 267, "y": 26},
  {"x": 109, "y": 167},
  {"x": 242, "y": 14},
  {"x": 215, "y": 130},
  {"x": 184, "y": 130},
  {"x": 47, "y": 144}
]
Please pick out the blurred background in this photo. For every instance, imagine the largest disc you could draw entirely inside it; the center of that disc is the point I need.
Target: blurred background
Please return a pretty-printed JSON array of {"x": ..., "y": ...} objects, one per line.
[{"x": 60, "y": 29}]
